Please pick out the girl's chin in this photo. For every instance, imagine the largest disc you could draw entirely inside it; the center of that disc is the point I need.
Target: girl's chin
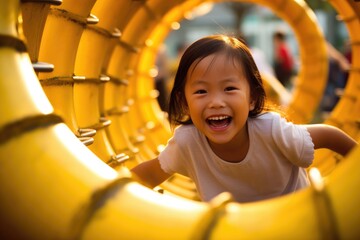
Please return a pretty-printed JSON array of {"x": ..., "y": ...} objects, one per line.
[{"x": 219, "y": 139}]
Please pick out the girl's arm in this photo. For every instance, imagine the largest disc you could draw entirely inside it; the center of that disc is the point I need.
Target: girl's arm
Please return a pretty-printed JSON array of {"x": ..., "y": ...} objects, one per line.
[
  {"x": 149, "y": 173},
  {"x": 326, "y": 136}
]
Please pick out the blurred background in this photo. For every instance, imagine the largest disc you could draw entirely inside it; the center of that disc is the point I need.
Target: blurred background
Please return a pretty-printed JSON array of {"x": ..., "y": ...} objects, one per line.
[{"x": 257, "y": 25}]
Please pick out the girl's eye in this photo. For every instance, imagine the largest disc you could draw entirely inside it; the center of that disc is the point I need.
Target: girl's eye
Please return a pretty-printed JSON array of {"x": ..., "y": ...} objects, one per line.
[
  {"x": 201, "y": 91},
  {"x": 230, "y": 88}
]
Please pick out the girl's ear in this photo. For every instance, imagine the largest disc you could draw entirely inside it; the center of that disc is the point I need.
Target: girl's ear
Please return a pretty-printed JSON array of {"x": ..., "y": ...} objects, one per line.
[{"x": 252, "y": 105}]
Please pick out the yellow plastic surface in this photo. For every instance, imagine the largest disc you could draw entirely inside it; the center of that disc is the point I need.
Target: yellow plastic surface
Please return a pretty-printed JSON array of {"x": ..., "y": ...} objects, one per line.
[{"x": 54, "y": 187}]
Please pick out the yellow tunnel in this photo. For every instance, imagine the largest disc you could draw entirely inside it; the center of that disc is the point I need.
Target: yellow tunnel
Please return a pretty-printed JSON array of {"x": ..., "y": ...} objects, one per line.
[{"x": 71, "y": 130}]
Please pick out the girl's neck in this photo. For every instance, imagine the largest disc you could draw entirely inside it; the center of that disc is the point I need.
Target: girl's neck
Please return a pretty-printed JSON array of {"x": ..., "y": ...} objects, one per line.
[{"x": 236, "y": 150}]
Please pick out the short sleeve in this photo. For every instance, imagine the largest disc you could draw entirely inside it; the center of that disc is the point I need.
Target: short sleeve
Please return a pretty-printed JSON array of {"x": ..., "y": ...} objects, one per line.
[
  {"x": 294, "y": 141},
  {"x": 172, "y": 158}
]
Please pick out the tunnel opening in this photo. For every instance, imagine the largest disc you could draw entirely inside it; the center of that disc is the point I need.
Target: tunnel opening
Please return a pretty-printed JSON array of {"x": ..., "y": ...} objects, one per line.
[{"x": 99, "y": 80}]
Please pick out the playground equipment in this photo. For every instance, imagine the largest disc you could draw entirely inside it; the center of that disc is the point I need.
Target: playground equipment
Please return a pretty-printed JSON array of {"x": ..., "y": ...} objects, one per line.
[{"x": 71, "y": 129}]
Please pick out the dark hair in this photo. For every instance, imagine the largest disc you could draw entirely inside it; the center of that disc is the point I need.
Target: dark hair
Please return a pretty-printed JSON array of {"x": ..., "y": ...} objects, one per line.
[
  {"x": 279, "y": 35},
  {"x": 235, "y": 49}
]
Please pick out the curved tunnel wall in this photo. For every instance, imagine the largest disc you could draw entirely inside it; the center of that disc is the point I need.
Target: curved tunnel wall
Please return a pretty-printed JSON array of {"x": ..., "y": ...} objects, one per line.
[{"x": 92, "y": 59}]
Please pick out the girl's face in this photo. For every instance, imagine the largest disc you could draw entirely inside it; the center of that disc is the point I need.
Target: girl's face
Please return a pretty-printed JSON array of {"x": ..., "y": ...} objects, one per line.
[{"x": 218, "y": 99}]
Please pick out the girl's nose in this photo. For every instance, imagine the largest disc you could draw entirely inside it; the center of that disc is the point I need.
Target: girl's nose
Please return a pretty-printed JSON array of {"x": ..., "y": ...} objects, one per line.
[{"x": 216, "y": 101}]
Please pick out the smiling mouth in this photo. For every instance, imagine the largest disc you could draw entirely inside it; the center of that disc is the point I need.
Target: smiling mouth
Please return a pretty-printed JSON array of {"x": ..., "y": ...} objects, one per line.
[{"x": 219, "y": 122}]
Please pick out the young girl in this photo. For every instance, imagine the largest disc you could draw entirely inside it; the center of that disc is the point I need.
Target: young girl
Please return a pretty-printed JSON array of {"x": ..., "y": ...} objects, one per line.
[{"x": 226, "y": 141}]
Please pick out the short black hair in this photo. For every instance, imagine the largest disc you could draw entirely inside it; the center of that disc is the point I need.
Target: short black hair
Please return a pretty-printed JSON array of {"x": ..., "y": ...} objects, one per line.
[{"x": 235, "y": 49}]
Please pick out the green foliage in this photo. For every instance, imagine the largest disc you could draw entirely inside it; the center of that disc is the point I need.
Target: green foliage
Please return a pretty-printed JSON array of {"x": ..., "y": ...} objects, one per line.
[{"x": 320, "y": 5}]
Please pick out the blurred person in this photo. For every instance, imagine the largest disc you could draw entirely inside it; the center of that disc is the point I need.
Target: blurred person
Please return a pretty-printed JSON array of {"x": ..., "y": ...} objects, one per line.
[
  {"x": 283, "y": 60},
  {"x": 337, "y": 76}
]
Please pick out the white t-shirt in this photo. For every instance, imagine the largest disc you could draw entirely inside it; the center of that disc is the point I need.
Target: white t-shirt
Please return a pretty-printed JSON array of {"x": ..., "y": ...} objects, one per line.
[{"x": 274, "y": 165}]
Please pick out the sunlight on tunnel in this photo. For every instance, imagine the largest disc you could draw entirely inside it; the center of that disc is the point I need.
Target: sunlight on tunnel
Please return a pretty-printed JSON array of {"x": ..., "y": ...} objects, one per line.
[{"x": 71, "y": 129}]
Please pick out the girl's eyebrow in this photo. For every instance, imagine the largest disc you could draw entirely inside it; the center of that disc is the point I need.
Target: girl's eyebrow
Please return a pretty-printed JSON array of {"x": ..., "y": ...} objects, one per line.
[
  {"x": 230, "y": 79},
  {"x": 198, "y": 82}
]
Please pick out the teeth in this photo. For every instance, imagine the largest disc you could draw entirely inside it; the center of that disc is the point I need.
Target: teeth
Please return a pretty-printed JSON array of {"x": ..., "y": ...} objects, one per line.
[{"x": 218, "y": 118}]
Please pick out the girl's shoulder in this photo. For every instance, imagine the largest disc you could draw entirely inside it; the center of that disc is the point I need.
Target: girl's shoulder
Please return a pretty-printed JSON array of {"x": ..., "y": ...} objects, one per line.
[
  {"x": 268, "y": 122},
  {"x": 185, "y": 129},
  {"x": 186, "y": 133},
  {"x": 268, "y": 116}
]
